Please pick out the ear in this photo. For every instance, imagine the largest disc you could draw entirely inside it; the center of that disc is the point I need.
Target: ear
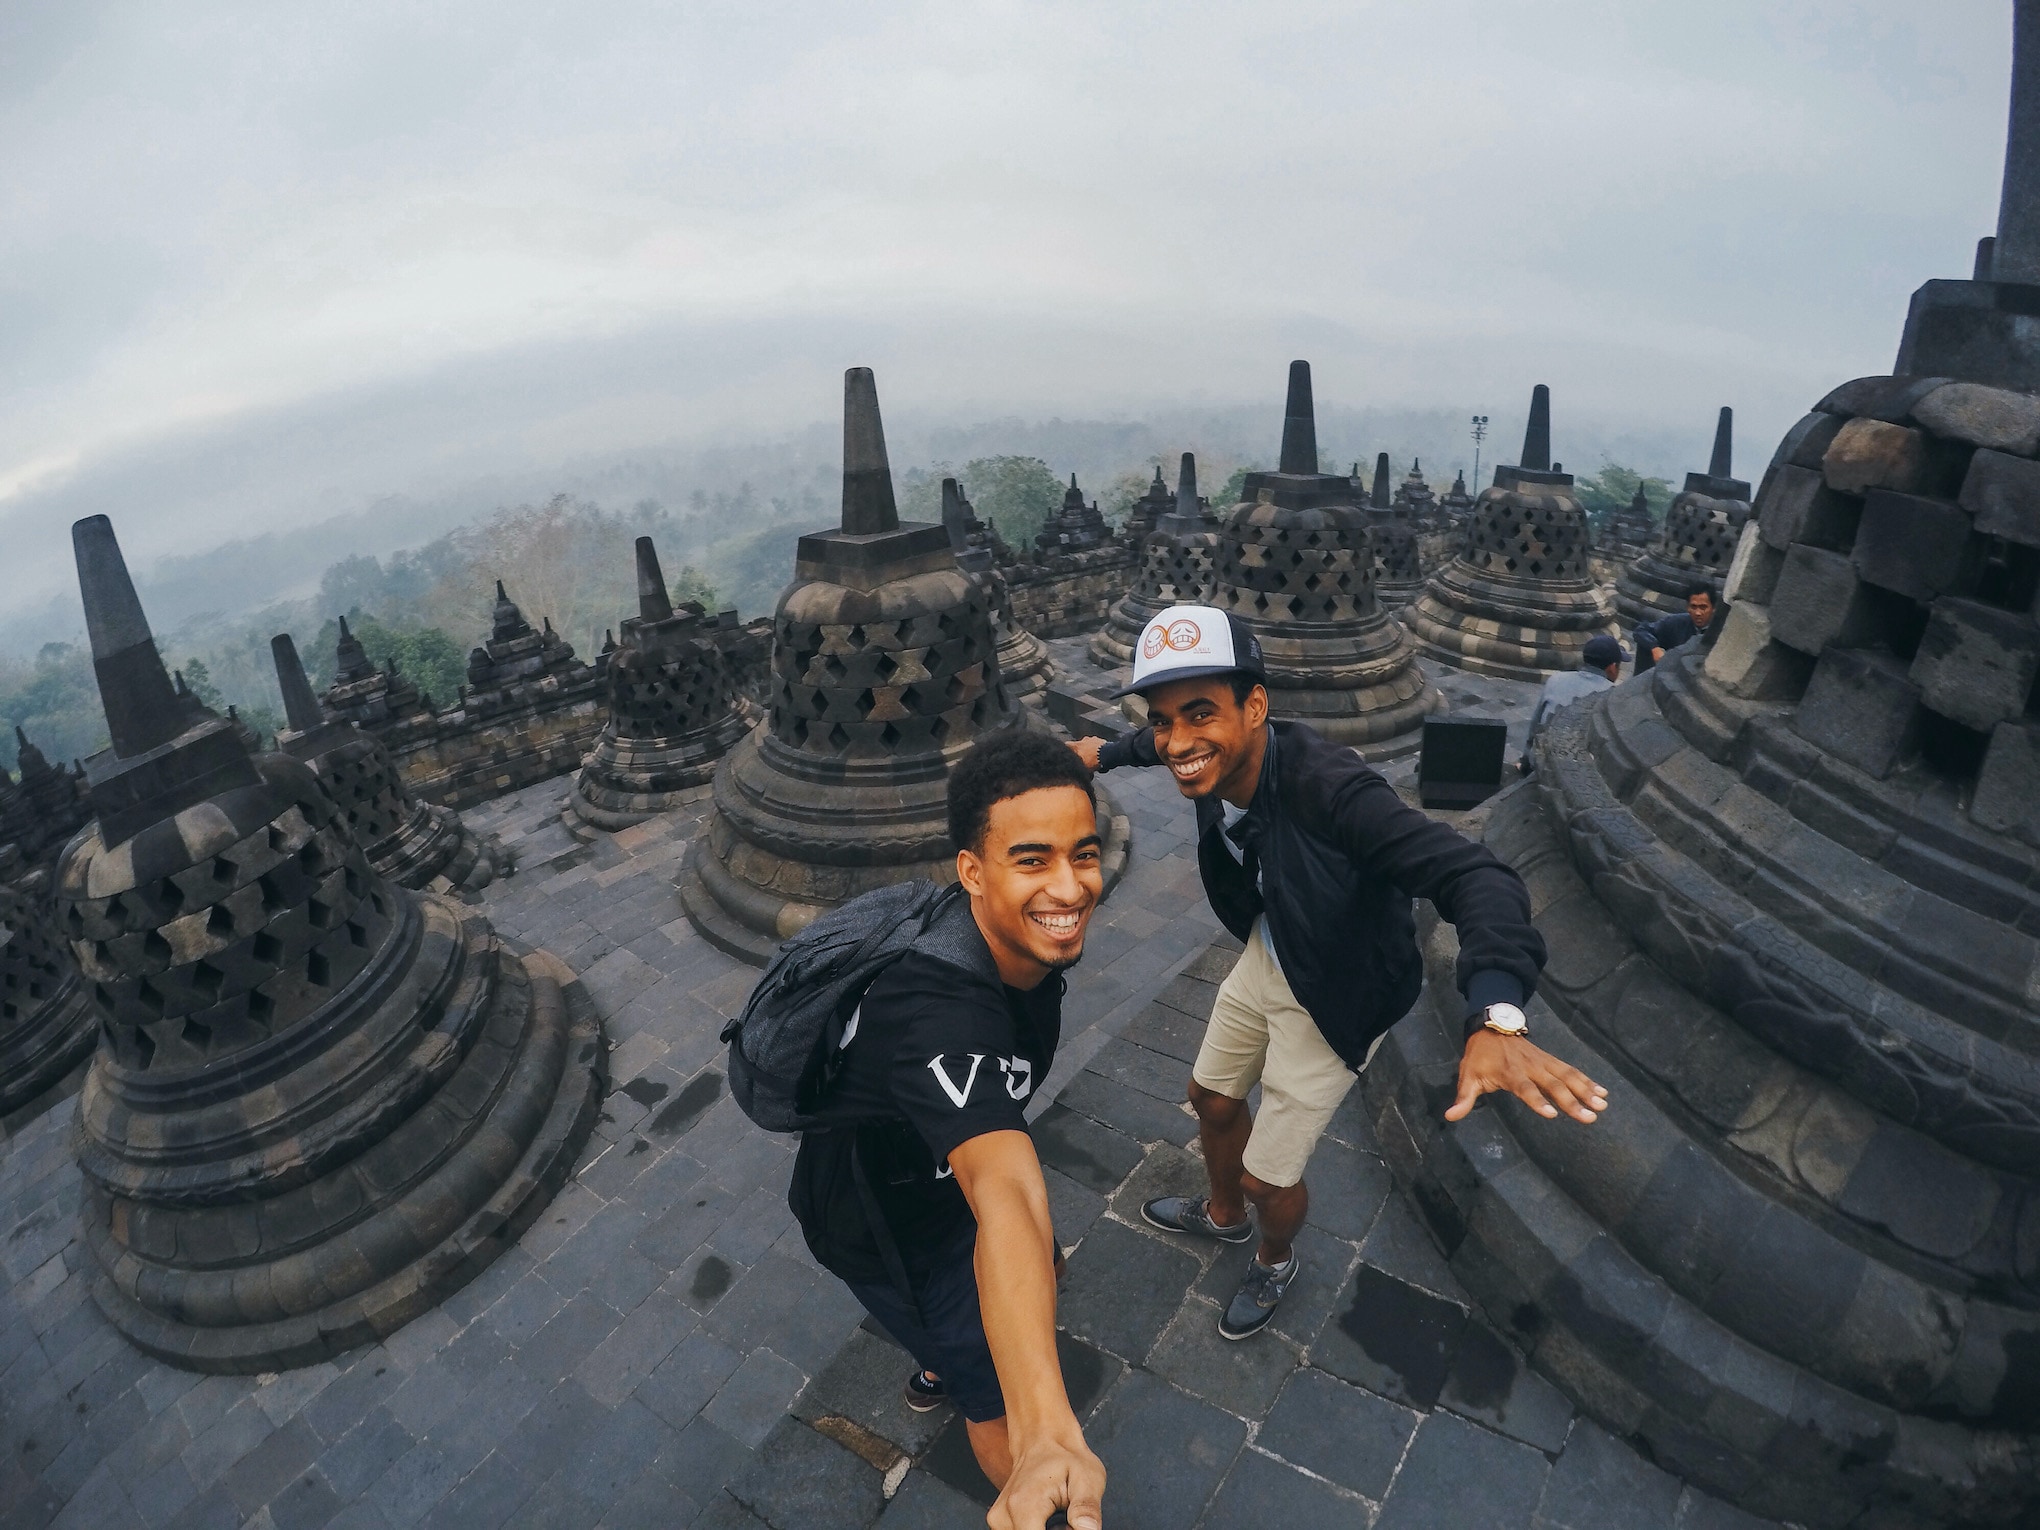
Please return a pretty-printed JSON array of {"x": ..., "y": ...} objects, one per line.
[
  {"x": 1257, "y": 706},
  {"x": 970, "y": 871}
]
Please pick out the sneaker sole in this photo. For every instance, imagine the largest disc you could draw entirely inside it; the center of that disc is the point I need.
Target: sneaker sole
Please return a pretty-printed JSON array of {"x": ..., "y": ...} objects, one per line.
[
  {"x": 1235, "y": 1338},
  {"x": 1191, "y": 1232}
]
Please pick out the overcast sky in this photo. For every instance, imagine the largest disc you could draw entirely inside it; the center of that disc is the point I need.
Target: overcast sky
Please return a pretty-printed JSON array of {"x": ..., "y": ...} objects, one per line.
[{"x": 262, "y": 262}]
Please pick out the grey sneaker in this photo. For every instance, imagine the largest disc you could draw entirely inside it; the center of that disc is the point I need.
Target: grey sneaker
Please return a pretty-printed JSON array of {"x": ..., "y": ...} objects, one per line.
[
  {"x": 1192, "y": 1214},
  {"x": 1254, "y": 1303}
]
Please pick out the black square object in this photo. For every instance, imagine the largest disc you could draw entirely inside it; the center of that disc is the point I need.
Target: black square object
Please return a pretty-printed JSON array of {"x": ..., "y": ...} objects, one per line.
[{"x": 1461, "y": 765}]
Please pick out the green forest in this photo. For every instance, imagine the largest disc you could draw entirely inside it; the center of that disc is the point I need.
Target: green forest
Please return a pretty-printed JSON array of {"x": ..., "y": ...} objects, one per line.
[{"x": 571, "y": 560}]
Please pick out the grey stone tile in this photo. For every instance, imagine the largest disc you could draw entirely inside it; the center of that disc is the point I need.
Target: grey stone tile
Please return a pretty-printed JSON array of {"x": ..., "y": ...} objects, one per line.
[
  {"x": 576, "y": 1262},
  {"x": 1122, "y": 1289},
  {"x": 758, "y": 1222},
  {"x": 407, "y": 1492},
  {"x": 431, "y": 1394},
  {"x": 705, "y": 1278},
  {"x": 1259, "y": 1492},
  {"x": 757, "y": 1393},
  {"x": 363, "y": 1454},
  {"x": 1164, "y": 1452},
  {"x": 1490, "y": 1384},
  {"x": 569, "y": 1337},
  {"x": 1598, "y": 1483},
  {"x": 525, "y": 1308},
  {"x": 1697, "y": 1511},
  {"x": 1241, "y": 1377},
  {"x": 681, "y": 1385},
  {"x": 1457, "y": 1473},
  {"x": 1167, "y": 1170},
  {"x": 630, "y": 1354},
  {"x": 1162, "y": 1078},
  {"x": 1398, "y": 1244},
  {"x": 553, "y": 1507},
  {"x": 493, "y": 1407},
  {"x": 1095, "y": 1156},
  {"x": 1391, "y": 1338},
  {"x": 239, "y": 1430},
  {"x": 863, "y": 1383},
  {"x": 1071, "y": 1208},
  {"x": 1339, "y": 1431},
  {"x": 922, "y": 1503},
  {"x": 484, "y": 1498},
  {"x": 802, "y": 1478},
  {"x": 306, "y": 1503},
  {"x": 614, "y": 1454},
  {"x": 691, "y": 1222},
  {"x": 263, "y": 1473},
  {"x": 804, "y": 1316},
  {"x": 162, "y": 1495},
  {"x": 1347, "y": 1189},
  {"x": 548, "y": 1437}
]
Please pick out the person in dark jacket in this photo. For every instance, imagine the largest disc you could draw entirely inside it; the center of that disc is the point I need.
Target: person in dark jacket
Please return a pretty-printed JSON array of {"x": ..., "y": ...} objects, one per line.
[
  {"x": 1655, "y": 639},
  {"x": 1311, "y": 858}
]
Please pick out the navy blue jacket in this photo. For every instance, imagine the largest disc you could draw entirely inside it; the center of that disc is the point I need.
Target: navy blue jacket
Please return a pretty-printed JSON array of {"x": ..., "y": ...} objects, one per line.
[{"x": 1341, "y": 858}]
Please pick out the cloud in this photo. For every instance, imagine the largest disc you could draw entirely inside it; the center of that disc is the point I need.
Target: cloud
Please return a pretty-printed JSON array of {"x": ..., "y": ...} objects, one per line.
[{"x": 469, "y": 239}]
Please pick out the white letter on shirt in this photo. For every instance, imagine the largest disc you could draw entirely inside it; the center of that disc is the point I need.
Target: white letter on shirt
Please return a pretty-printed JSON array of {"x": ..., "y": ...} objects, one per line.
[{"x": 960, "y": 1097}]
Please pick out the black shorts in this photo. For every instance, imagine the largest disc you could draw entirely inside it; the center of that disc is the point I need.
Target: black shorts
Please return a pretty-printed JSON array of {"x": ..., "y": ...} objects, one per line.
[{"x": 947, "y": 1335}]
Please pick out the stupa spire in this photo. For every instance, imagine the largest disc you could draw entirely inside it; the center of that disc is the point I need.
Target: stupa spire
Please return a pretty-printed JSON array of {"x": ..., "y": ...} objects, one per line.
[
  {"x": 1186, "y": 486},
  {"x": 1720, "y": 465},
  {"x": 2015, "y": 255},
  {"x": 1380, "y": 499},
  {"x": 1299, "y": 423},
  {"x": 868, "y": 504},
  {"x": 1536, "y": 456},
  {"x": 142, "y": 708},
  {"x": 654, "y": 603},
  {"x": 300, "y": 704}
]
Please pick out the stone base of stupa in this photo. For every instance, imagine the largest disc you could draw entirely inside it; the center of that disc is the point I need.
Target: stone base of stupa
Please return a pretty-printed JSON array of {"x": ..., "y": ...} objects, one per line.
[
  {"x": 1025, "y": 664},
  {"x": 1354, "y": 682},
  {"x": 1515, "y": 629},
  {"x": 625, "y": 780}
]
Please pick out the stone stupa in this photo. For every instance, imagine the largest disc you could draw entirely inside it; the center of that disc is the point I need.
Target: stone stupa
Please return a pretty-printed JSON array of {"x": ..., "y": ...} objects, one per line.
[
  {"x": 42, "y": 810},
  {"x": 674, "y": 709},
  {"x": 1520, "y": 600},
  {"x": 1178, "y": 565},
  {"x": 1791, "y": 887},
  {"x": 320, "y": 1103},
  {"x": 1073, "y": 526},
  {"x": 378, "y": 700},
  {"x": 1145, "y": 513},
  {"x": 1414, "y": 497},
  {"x": 408, "y": 841},
  {"x": 47, "y": 1023},
  {"x": 882, "y": 675},
  {"x": 1025, "y": 663},
  {"x": 1703, "y": 523},
  {"x": 1296, "y": 562},
  {"x": 1455, "y": 505}
]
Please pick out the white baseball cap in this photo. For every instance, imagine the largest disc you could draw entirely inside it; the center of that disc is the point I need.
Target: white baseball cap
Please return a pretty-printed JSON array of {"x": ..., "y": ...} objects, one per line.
[{"x": 1190, "y": 642}]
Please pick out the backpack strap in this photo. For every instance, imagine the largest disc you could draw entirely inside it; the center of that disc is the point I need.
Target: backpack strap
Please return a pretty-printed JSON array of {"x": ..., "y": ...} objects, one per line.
[{"x": 881, "y": 1230}]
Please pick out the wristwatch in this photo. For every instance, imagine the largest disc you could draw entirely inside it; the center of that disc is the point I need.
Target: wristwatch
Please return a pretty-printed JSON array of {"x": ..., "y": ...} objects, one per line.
[{"x": 1506, "y": 1020}]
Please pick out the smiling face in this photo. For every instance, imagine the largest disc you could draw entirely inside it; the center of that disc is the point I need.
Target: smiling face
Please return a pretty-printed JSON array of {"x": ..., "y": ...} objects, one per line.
[
  {"x": 1211, "y": 741},
  {"x": 1034, "y": 880}
]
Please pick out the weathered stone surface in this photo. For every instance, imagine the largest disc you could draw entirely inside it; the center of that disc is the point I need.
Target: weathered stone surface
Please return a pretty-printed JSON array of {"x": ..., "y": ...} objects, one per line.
[
  {"x": 1991, "y": 417},
  {"x": 1910, "y": 544},
  {"x": 1819, "y": 601},
  {"x": 47, "y": 1024},
  {"x": 1807, "y": 441},
  {"x": 1798, "y": 506},
  {"x": 321, "y": 1103},
  {"x": 1753, "y": 571},
  {"x": 1749, "y": 663},
  {"x": 2003, "y": 493},
  {"x": 1860, "y": 707},
  {"x": 2008, "y": 787},
  {"x": 1977, "y": 664},
  {"x": 1870, "y": 454}
]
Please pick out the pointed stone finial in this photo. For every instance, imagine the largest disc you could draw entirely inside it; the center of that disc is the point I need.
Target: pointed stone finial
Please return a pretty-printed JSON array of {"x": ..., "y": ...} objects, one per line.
[
  {"x": 1186, "y": 486},
  {"x": 1720, "y": 464},
  {"x": 1299, "y": 423},
  {"x": 1537, "y": 434},
  {"x": 955, "y": 518},
  {"x": 654, "y": 602},
  {"x": 1416, "y": 467},
  {"x": 1381, "y": 498},
  {"x": 1158, "y": 485},
  {"x": 2016, "y": 255},
  {"x": 142, "y": 709},
  {"x": 868, "y": 504},
  {"x": 502, "y": 597},
  {"x": 300, "y": 703}
]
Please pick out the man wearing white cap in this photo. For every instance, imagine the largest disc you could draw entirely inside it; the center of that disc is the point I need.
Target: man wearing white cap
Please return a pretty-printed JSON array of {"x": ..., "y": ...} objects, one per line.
[{"x": 1311, "y": 858}]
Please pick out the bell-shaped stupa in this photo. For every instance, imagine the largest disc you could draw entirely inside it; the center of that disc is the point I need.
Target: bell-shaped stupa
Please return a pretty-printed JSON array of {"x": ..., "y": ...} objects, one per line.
[
  {"x": 1179, "y": 565},
  {"x": 1073, "y": 526},
  {"x": 1296, "y": 562},
  {"x": 1791, "y": 886},
  {"x": 882, "y": 675},
  {"x": 674, "y": 709},
  {"x": 408, "y": 841},
  {"x": 1520, "y": 600},
  {"x": 1703, "y": 523},
  {"x": 1455, "y": 505},
  {"x": 1145, "y": 513},
  {"x": 47, "y": 1024},
  {"x": 1025, "y": 664},
  {"x": 320, "y": 1103}
]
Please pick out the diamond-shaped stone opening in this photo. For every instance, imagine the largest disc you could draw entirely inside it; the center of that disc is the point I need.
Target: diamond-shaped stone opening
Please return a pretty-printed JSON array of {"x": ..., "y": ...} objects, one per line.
[
  {"x": 207, "y": 979},
  {"x": 154, "y": 947},
  {"x": 318, "y": 970},
  {"x": 318, "y": 912},
  {"x": 260, "y": 1006},
  {"x": 266, "y": 948},
  {"x": 220, "y": 922}
]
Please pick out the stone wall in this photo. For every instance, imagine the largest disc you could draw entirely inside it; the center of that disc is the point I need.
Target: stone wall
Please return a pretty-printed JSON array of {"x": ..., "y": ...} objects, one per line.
[
  {"x": 1065, "y": 594},
  {"x": 471, "y": 755}
]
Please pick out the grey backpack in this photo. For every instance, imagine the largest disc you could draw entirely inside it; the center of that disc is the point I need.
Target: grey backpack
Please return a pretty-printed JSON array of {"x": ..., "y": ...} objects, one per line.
[{"x": 785, "y": 1046}]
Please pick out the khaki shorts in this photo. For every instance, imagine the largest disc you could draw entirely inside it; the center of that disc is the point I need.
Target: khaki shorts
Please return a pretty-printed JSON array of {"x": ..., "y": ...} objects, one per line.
[{"x": 1259, "y": 1033}]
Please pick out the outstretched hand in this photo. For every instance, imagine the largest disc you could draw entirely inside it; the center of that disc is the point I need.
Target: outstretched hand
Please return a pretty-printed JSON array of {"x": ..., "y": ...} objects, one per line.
[
  {"x": 1494, "y": 1062},
  {"x": 1087, "y": 750},
  {"x": 1054, "y": 1476}
]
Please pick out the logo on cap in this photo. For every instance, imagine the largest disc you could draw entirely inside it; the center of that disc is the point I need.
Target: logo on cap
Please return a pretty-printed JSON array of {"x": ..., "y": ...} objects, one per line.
[{"x": 1184, "y": 635}]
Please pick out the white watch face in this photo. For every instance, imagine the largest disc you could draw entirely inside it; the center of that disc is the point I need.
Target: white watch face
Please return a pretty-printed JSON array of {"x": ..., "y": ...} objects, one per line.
[{"x": 1506, "y": 1017}]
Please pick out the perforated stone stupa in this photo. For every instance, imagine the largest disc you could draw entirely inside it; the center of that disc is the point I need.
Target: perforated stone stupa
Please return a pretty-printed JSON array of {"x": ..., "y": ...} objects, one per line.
[
  {"x": 1791, "y": 887},
  {"x": 379, "y": 700},
  {"x": 674, "y": 709},
  {"x": 1025, "y": 664},
  {"x": 1296, "y": 563},
  {"x": 1702, "y": 526},
  {"x": 1074, "y": 526},
  {"x": 408, "y": 841},
  {"x": 44, "y": 808},
  {"x": 1455, "y": 505},
  {"x": 882, "y": 675},
  {"x": 320, "y": 1103},
  {"x": 1520, "y": 600},
  {"x": 1145, "y": 513},
  {"x": 47, "y": 1025},
  {"x": 1179, "y": 563}
]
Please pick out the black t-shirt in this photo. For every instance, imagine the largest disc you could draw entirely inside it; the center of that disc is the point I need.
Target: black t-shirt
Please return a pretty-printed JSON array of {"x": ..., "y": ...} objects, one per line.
[{"x": 937, "y": 1056}]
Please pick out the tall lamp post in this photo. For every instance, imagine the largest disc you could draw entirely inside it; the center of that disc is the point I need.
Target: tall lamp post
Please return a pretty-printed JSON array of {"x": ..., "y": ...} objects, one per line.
[{"x": 1479, "y": 435}]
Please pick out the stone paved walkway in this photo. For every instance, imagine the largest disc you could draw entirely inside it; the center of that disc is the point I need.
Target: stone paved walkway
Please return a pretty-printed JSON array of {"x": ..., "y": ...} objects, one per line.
[{"x": 660, "y": 1351}]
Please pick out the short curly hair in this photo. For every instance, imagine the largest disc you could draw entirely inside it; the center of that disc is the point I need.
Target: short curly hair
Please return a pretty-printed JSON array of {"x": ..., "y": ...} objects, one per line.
[{"x": 1007, "y": 764}]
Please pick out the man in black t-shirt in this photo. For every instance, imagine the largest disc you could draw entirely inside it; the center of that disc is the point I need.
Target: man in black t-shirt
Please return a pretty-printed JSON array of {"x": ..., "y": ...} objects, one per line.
[{"x": 936, "y": 1068}]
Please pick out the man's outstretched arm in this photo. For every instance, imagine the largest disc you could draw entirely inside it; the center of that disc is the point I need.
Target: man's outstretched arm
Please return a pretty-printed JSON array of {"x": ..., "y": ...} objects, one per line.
[{"x": 1052, "y": 1467}]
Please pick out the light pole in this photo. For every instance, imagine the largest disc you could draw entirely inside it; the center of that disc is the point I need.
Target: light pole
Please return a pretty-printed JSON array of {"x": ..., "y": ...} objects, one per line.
[{"x": 1479, "y": 435}]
